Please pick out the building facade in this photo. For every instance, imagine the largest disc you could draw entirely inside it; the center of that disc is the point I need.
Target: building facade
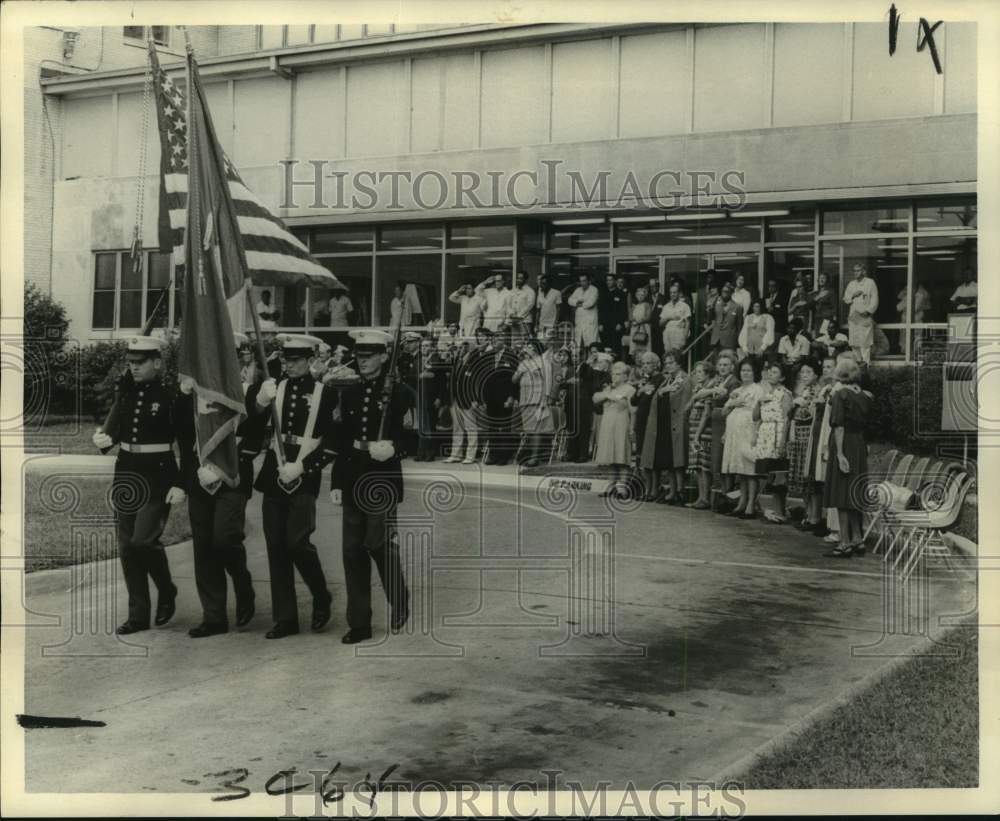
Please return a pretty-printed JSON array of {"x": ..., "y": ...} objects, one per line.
[{"x": 439, "y": 156}]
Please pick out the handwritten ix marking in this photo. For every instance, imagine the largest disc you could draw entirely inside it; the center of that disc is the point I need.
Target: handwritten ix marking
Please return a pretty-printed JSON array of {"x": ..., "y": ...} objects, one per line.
[{"x": 925, "y": 36}]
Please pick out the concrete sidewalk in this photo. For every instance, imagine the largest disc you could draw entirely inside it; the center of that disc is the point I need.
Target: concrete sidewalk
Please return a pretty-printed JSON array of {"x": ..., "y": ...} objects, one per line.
[{"x": 550, "y": 630}]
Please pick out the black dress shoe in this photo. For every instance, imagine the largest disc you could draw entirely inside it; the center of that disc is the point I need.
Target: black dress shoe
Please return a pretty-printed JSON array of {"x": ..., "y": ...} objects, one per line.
[
  {"x": 130, "y": 627},
  {"x": 245, "y": 610},
  {"x": 279, "y": 631},
  {"x": 354, "y": 636},
  {"x": 399, "y": 621},
  {"x": 208, "y": 629},
  {"x": 165, "y": 609},
  {"x": 320, "y": 615}
]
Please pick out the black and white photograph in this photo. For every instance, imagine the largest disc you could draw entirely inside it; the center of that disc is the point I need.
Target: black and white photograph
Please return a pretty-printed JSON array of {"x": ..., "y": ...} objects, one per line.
[{"x": 479, "y": 409}]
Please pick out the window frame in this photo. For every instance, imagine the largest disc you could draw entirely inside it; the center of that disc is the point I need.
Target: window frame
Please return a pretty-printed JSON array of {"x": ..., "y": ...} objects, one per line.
[
  {"x": 147, "y": 32},
  {"x": 122, "y": 258}
]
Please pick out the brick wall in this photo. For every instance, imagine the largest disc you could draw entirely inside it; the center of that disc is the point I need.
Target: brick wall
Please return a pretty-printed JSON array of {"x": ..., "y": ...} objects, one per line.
[{"x": 237, "y": 39}]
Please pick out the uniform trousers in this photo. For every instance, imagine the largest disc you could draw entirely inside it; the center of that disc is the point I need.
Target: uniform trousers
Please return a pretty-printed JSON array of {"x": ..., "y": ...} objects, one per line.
[
  {"x": 370, "y": 536},
  {"x": 143, "y": 557},
  {"x": 289, "y": 521},
  {"x": 217, "y": 532}
]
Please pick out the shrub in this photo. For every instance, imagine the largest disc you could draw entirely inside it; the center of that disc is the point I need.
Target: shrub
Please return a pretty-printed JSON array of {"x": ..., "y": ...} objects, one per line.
[{"x": 48, "y": 382}]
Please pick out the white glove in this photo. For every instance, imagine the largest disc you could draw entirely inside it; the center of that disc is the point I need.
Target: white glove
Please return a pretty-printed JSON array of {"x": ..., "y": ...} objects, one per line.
[
  {"x": 268, "y": 390},
  {"x": 289, "y": 472},
  {"x": 209, "y": 478},
  {"x": 336, "y": 496},
  {"x": 175, "y": 496},
  {"x": 317, "y": 369},
  {"x": 101, "y": 440},
  {"x": 382, "y": 450},
  {"x": 186, "y": 385}
]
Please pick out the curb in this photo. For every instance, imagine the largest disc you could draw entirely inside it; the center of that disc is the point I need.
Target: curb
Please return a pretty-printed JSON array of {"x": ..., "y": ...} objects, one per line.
[{"x": 819, "y": 714}]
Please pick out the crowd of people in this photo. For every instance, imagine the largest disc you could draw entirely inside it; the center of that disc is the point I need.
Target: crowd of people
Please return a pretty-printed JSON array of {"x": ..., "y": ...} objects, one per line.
[{"x": 750, "y": 415}]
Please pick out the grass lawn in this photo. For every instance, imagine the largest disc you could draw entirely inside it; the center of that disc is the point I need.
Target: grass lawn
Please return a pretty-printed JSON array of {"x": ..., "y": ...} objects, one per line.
[
  {"x": 62, "y": 436},
  {"x": 918, "y": 727},
  {"x": 50, "y": 529}
]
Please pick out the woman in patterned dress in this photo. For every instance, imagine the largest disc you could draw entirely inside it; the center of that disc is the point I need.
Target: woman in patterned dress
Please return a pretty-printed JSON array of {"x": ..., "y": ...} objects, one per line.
[
  {"x": 700, "y": 433},
  {"x": 847, "y": 466},
  {"x": 770, "y": 449},
  {"x": 642, "y": 313},
  {"x": 675, "y": 319},
  {"x": 800, "y": 483},
  {"x": 738, "y": 449},
  {"x": 816, "y": 466},
  {"x": 725, "y": 368},
  {"x": 757, "y": 334}
]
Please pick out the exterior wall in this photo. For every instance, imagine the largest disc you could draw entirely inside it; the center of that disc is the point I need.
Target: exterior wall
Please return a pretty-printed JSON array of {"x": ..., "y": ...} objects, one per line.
[{"x": 236, "y": 39}]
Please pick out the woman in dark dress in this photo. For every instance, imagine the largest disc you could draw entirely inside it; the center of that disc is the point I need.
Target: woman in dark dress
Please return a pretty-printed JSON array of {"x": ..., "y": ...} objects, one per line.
[
  {"x": 847, "y": 466},
  {"x": 726, "y": 383},
  {"x": 670, "y": 448},
  {"x": 649, "y": 380}
]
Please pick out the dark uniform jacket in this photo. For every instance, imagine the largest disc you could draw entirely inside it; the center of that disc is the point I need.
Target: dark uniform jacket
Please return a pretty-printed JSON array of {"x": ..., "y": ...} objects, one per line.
[
  {"x": 145, "y": 413},
  {"x": 495, "y": 376},
  {"x": 365, "y": 481},
  {"x": 294, "y": 415}
]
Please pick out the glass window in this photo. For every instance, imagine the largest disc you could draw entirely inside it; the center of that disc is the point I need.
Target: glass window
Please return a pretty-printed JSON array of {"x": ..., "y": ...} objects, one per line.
[
  {"x": 703, "y": 232},
  {"x": 472, "y": 269},
  {"x": 161, "y": 35},
  {"x": 105, "y": 275},
  {"x": 410, "y": 237},
  {"x": 290, "y": 301},
  {"x": 130, "y": 309},
  {"x": 885, "y": 261},
  {"x": 888, "y": 218},
  {"x": 799, "y": 226},
  {"x": 416, "y": 280},
  {"x": 782, "y": 266},
  {"x": 104, "y": 278},
  {"x": 939, "y": 268},
  {"x": 341, "y": 240},
  {"x": 159, "y": 269},
  {"x": 936, "y": 215},
  {"x": 579, "y": 237},
  {"x": 643, "y": 233},
  {"x": 470, "y": 235},
  {"x": 330, "y": 309},
  {"x": 888, "y": 342},
  {"x": 135, "y": 32},
  {"x": 564, "y": 270}
]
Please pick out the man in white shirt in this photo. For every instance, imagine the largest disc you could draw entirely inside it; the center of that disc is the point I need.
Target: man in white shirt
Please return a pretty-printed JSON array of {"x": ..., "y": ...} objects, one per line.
[
  {"x": 521, "y": 303},
  {"x": 266, "y": 312},
  {"x": 547, "y": 301},
  {"x": 471, "y": 307},
  {"x": 793, "y": 345},
  {"x": 584, "y": 302},
  {"x": 340, "y": 308},
  {"x": 494, "y": 293},
  {"x": 966, "y": 295}
]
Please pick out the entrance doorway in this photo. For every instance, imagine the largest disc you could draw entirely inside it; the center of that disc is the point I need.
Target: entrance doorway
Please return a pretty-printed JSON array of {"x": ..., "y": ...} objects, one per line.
[{"x": 695, "y": 273}]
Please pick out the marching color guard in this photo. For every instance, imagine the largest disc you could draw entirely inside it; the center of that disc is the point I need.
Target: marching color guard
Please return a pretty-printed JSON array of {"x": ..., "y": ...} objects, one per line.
[
  {"x": 305, "y": 417},
  {"x": 218, "y": 513},
  {"x": 369, "y": 476},
  {"x": 143, "y": 423}
]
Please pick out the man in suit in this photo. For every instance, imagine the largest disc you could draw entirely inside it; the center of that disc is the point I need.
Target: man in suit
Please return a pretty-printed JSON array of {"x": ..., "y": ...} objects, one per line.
[
  {"x": 494, "y": 371},
  {"x": 218, "y": 513},
  {"x": 466, "y": 397},
  {"x": 143, "y": 422},
  {"x": 370, "y": 479},
  {"x": 290, "y": 486},
  {"x": 728, "y": 320}
]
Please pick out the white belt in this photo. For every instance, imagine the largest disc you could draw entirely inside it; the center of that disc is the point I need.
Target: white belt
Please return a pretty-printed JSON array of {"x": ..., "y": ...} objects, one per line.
[{"x": 154, "y": 448}]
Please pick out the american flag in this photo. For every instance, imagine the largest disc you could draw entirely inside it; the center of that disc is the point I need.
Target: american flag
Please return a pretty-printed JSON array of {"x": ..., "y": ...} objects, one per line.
[{"x": 274, "y": 255}]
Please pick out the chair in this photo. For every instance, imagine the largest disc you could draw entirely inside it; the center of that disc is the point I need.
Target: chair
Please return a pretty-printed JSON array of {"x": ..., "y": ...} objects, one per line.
[
  {"x": 902, "y": 467},
  {"x": 917, "y": 533},
  {"x": 915, "y": 478}
]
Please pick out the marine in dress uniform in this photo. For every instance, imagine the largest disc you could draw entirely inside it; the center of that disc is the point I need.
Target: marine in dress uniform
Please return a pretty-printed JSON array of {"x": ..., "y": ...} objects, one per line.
[
  {"x": 305, "y": 410},
  {"x": 218, "y": 514},
  {"x": 142, "y": 423},
  {"x": 370, "y": 479}
]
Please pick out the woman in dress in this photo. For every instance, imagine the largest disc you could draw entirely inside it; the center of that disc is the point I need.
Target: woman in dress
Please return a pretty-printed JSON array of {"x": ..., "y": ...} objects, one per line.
[
  {"x": 847, "y": 466},
  {"x": 822, "y": 303},
  {"x": 649, "y": 380},
  {"x": 671, "y": 439},
  {"x": 675, "y": 320},
  {"x": 826, "y": 521},
  {"x": 700, "y": 432},
  {"x": 798, "y": 300},
  {"x": 614, "y": 441},
  {"x": 642, "y": 313},
  {"x": 727, "y": 382},
  {"x": 757, "y": 334},
  {"x": 772, "y": 430},
  {"x": 737, "y": 454},
  {"x": 800, "y": 483}
]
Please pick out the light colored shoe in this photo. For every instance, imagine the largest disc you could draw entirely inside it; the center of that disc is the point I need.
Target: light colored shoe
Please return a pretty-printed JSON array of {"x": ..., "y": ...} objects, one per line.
[
  {"x": 452, "y": 459},
  {"x": 468, "y": 461},
  {"x": 833, "y": 538}
]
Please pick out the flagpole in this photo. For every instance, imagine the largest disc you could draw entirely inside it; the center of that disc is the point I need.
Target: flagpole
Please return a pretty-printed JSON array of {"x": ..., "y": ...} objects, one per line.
[{"x": 263, "y": 365}]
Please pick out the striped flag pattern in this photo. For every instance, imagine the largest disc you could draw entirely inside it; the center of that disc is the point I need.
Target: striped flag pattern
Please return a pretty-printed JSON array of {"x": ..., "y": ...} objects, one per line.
[{"x": 274, "y": 255}]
